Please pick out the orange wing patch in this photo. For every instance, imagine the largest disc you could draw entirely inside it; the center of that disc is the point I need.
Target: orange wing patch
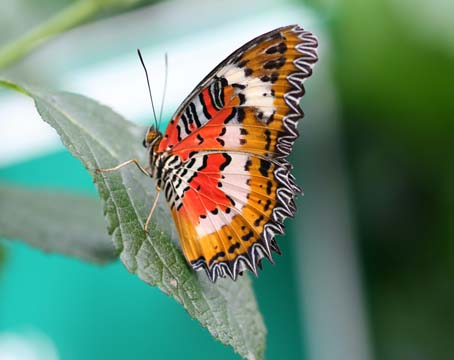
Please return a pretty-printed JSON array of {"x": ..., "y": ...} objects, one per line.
[{"x": 227, "y": 216}]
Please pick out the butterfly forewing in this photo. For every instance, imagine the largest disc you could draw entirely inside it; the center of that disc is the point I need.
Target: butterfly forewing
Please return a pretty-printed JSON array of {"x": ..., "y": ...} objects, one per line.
[{"x": 232, "y": 188}]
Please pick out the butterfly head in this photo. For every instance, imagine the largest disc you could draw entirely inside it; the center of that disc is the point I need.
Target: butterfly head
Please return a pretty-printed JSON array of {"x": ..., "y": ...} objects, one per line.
[{"x": 152, "y": 138}]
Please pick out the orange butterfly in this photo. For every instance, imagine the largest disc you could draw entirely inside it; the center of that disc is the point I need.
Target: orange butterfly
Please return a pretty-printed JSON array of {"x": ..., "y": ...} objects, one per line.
[{"x": 222, "y": 162}]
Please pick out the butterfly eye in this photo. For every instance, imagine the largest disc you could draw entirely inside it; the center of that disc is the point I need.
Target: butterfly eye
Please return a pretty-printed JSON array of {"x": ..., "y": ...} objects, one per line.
[{"x": 144, "y": 143}]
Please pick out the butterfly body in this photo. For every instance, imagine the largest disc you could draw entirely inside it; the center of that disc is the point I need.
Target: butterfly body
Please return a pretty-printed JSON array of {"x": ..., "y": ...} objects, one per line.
[{"x": 222, "y": 161}]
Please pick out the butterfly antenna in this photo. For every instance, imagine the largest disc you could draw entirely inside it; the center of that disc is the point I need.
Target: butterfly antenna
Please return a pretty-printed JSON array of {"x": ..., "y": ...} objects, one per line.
[
  {"x": 149, "y": 89},
  {"x": 165, "y": 89}
]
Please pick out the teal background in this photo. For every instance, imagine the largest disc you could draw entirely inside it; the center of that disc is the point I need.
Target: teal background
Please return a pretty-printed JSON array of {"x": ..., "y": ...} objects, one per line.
[{"x": 100, "y": 312}]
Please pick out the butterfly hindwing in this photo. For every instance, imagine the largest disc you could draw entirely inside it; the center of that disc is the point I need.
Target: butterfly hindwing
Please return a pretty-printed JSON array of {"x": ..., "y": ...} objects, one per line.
[
  {"x": 229, "y": 209},
  {"x": 226, "y": 176}
]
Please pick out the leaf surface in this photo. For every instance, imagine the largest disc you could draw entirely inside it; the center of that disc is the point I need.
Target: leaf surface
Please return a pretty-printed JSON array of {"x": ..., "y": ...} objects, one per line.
[
  {"x": 101, "y": 138},
  {"x": 55, "y": 222}
]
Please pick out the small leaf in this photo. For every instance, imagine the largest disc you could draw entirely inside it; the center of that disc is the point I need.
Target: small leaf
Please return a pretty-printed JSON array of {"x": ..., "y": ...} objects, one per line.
[
  {"x": 55, "y": 222},
  {"x": 100, "y": 138}
]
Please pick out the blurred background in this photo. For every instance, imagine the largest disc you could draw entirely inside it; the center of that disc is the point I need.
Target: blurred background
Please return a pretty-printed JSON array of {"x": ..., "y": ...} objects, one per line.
[{"x": 368, "y": 265}]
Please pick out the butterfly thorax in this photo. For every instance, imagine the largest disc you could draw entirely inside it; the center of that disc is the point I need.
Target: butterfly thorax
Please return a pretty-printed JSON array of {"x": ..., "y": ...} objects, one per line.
[
  {"x": 151, "y": 142},
  {"x": 162, "y": 164}
]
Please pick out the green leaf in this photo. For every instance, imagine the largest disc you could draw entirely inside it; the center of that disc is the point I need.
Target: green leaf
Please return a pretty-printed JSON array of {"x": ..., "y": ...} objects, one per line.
[
  {"x": 55, "y": 222},
  {"x": 100, "y": 138}
]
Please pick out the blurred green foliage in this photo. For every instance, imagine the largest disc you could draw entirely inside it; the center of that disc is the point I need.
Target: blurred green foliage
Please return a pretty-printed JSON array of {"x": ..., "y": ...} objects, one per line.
[
  {"x": 33, "y": 13},
  {"x": 395, "y": 87},
  {"x": 77, "y": 13}
]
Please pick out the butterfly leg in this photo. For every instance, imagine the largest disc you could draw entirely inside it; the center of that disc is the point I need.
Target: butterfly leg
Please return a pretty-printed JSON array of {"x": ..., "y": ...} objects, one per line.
[
  {"x": 133, "y": 161},
  {"x": 155, "y": 202}
]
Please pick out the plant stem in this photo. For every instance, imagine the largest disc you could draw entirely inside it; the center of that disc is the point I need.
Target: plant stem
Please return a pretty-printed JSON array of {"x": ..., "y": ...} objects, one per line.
[{"x": 69, "y": 17}]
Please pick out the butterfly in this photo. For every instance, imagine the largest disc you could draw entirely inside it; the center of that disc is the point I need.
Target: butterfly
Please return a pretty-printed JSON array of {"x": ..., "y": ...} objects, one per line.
[{"x": 222, "y": 161}]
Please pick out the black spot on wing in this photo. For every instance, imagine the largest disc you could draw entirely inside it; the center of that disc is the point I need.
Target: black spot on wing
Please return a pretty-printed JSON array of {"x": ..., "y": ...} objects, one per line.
[
  {"x": 275, "y": 64},
  {"x": 204, "y": 163},
  {"x": 248, "y": 164},
  {"x": 258, "y": 220},
  {"x": 231, "y": 116},
  {"x": 204, "y": 107},
  {"x": 267, "y": 205},
  {"x": 269, "y": 186},
  {"x": 194, "y": 114},
  {"x": 248, "y": 236},
  {"x": 215, "y": 257},
  {"x": 168, "y": 191},
  {"x": 228, "y": 160},
  {"x": 233, "y": 247},
  {"x": 213, "y": 92},
  {"x": 185, "y": 121},
  {"x": 242, "y": 63},
  {"x": 190, "y": 163},
  {"x": 241, "y": 115},
  {"x": 183, "y": 173},
  {"x": 178, "y": 132},
  {"x": 280, "y": 48},
  {"x": 265, "y": 78},
  {"x": 223, "y": 81},
  {"x": 267, "y": 139}
]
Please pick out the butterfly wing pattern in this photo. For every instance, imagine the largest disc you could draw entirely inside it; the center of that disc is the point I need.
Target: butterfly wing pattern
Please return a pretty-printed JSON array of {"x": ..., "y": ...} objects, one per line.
[{"x": 223, "y": 161}]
